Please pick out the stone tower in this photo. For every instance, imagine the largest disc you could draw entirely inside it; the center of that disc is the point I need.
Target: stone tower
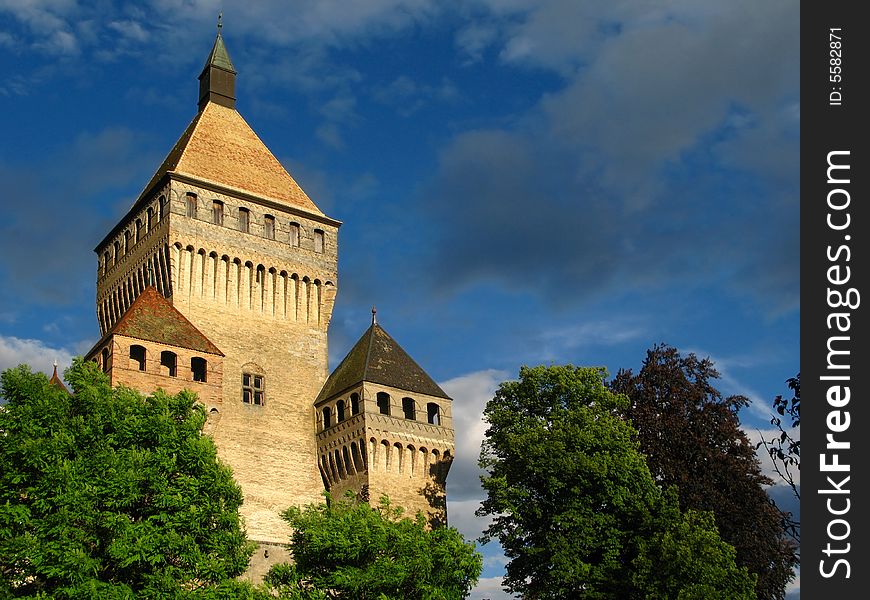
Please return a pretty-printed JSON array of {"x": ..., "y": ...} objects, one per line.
[
  {"x": 385, "y": 428},
  {"x": 238, "y": 249},
  {"x": 221, "y": 279}
]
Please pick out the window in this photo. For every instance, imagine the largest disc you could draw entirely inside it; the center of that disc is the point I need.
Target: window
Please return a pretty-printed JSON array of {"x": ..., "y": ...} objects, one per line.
[
  {"x": 318, "y": 240},
  {"x": 198, "y": 368},
  {"x": 217, "y": 212},
  {"x": 137, "y": 357},
  {"x": 354, "y": 403},
  {"x": 244, "y": 220},
  {"x": 339, "y": 411},
  {"x": 117, "y": 248},
  {"x": 105, "y": 262},
  {"x": 327, "y": 418},
  {"x": 384, "y": 403},
  {"x": 150, "y": 218},
  {"x": 253, "y": 389},
  {"x": 128, "y": 237},
  {"x": 294, "y": 235},
  {"x": 168, "y": 362},
  {"x": 190, "y": 202},
  {"x": 409, "y": 408},
  {"x": 269, "y": 227},
  {"x": 433, "y": 413},
  {"x": 104, "y": 355},
  {"x": 140, "y": 229},
  {"x": 163, "y": 207}
]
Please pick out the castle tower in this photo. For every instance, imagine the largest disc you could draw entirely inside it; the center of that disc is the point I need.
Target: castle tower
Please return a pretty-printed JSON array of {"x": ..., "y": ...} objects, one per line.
[
  {"x": 385, "y": 428},
  {"x": 243, "y": 254}
]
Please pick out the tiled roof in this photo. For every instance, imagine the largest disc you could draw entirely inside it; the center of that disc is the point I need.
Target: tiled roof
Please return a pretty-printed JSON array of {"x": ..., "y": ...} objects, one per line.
[
  {"x": 219, "y": 147},
  {"x": 378, "y": 358},
  {"x": 152, "y": 318}
]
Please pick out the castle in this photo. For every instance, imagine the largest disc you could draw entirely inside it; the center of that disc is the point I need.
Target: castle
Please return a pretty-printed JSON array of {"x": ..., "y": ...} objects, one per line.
[{"x": 221, "y": 279}]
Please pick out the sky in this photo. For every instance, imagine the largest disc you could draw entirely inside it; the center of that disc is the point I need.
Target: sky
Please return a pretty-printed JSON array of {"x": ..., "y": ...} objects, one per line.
[{"x": 520, "y": 182}]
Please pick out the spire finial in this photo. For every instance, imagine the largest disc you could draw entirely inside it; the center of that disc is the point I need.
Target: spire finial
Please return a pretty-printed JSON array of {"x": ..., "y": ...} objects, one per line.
[
  {"x": 374, "y": 316},
  {"x": 55, "y": 364},
  {"x": 220, "y": 16}
]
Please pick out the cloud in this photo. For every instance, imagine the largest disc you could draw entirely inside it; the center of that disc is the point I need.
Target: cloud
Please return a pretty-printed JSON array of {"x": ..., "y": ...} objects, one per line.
[
  {"x": 489, "y": 588},
  {"x": 16, "y": 351}
]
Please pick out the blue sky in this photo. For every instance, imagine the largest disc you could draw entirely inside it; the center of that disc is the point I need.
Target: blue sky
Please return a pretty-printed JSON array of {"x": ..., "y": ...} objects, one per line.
[{"x": 520, "y": 181}]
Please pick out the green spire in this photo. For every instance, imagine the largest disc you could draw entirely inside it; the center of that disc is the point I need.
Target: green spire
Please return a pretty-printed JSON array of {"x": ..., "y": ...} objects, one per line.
[{"x": 217, "y": 82}]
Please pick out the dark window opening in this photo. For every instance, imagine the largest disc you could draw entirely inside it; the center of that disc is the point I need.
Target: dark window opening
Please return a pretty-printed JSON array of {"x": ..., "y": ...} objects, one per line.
[
  {"x": 253, "y": 389},
  {"x": 128, "y": 237},
  {"x": 409, "y": 408},
  {"x": 104, "y": 355},
  {"x": 168, "y": 363},
  {"x": 163, "y": 206},
  {"x": 269, "y": 227},
  {"x": 217, "y": 212},
  {"x": 116, "y": 246},
  {"x": 339, "y": 411},
  {"x": 384, "y": 403},
  {"x": 433, "y": 413},
  {"x": 137, "y": 357},
  {"x": 139, "y": 230},
  {"x": 199, "y": 368},
  {"x": 327, "y": 418},
  {"x": 150, "y": 218},
  {"x": 354, "y": 404}
]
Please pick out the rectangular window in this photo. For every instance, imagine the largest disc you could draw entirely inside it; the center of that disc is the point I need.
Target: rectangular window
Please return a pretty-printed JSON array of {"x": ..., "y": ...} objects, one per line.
[
  {"x": 191, "y": 205},
  {"x": 253, "y": 389},
  {"x": 217, "y": 212},
  {"x": 269, "y": 227},
  {"x": 294, "y": 235},
  {"x": 318, "y": 240},
  {"x": 244, "y": 220}
]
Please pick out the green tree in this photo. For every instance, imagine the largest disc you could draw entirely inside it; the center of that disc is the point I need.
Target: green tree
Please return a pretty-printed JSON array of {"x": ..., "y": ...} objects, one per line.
[
  {"x": 348, "y": 549},
  {"x": 572, "y": 501},
  {"x": 692, "y": 439},
  {"x": 106, "y": 494}
]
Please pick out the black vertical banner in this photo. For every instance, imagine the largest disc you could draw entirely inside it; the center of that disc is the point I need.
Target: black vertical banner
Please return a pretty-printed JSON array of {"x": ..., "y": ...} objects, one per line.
[{"x": 835, "y": 300}]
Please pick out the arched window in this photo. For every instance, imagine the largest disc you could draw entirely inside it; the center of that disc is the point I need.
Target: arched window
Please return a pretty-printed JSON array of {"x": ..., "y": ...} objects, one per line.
[
  {"x": 217, "y": 212},
  {"x": 433, "y": 413},
  {"x": 253, "y": 388},
  {"x": 354, "y": 404},
  {"x": 128, "y": 241},
  {"x": 384, "y": 403},
  {"x": 269, "y": 227},
  {"x": 339, "y": 411},
  {"x": 318, "y": 240},
  {"x": 164, "y": 205},
  {"x": 244, "y": 220},
  {"x": 294, "y": 235},
  {"x": 168, "y": 363},
  {"x": 137, "y": 357},
  {"x": 409, "y": 407},
  {"x": 190, "y": 204},
  {"x": 327, "y": 418},
  {"x": 198, "y": 368},
  {"x": 106, "y": 260},
  {"x": 139, "y": 230},
  {"x": 150, "y": 218},
  {"x": 116, "y": 246},
  {"x": 104, "y": 356}
]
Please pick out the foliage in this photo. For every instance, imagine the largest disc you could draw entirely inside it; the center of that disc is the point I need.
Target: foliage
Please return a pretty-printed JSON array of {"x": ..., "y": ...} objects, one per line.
[
  {"x": 689, "y": 561},
  {"x": 692, "y": 439},
  {"x": 348, "y": 549},
  {"x": 572, "y": 501},
  {"x": 104, "y": 493},
  {"x": 785, "y": 450}
]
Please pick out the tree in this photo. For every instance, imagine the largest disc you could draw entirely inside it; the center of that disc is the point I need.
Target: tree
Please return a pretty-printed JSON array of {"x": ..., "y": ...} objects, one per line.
[
  {"x": 104, "y": 493},
  {"x": 572, "y": 501},
  {"x": 348, "y": 549},
  {"x": 785, "y": 450},
  {"x": 692, "y": 439}
]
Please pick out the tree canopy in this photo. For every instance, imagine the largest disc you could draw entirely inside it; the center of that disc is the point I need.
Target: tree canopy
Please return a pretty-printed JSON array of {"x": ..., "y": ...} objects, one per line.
[
  {"x": 350, "y": 550},
  {"x": 574, "y": 505},
  {"x": 692, "y": 439},
  {"x": 106, "y": 494}
]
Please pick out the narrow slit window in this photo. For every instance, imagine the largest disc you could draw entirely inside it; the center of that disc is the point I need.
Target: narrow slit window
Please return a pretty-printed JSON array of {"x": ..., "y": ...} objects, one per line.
[
  {"x": 318, "y": 240},
  {"x": 269, "y": 227},
  {"x": 244, "y": 220},
  {"x": 191, "y": 205}
]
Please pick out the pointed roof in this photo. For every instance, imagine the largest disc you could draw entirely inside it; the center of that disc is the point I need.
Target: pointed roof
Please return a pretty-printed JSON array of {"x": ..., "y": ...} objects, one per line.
[
  {"x": 57, "y": 381},
  {"x": 378, "y": 358},
  {"x": 220, "y": 148},
  {"x": 153, "y": 319},
  {"x": 219, "y": 57}
]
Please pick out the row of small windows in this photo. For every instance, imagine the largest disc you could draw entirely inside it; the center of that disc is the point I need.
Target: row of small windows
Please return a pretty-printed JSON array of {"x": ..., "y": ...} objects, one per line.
[
  {"x": 244, "y": 222},
  {"x": 134, "y": 235},
  {"x": 168, "y": 363},
  {"x": 409, "y": 409}
]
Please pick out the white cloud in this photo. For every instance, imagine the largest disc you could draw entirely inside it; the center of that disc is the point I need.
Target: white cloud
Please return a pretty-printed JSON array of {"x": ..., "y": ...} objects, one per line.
[
  {"x": 489, "y": 588},
  {"x": 15, "y": 351}
]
